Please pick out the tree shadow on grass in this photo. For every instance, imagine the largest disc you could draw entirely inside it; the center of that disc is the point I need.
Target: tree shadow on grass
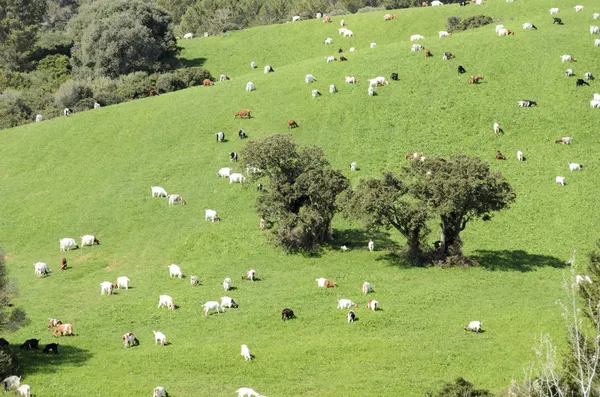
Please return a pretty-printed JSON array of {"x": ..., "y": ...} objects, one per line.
[
  {"x": 33, "y": 361},
  {"x": 517, "y": 260},
  {"x": 357, "y": 239},
  {"x": 195, "y": 62}
]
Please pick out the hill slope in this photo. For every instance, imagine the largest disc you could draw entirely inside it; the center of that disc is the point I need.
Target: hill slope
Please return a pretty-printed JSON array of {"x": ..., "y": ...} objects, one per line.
[{"x": 91, "y": 173}]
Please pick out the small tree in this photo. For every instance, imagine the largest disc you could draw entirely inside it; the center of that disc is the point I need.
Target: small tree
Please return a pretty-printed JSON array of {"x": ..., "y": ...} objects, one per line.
[
  {"x": 299, "y": 197},
  {"x": 386, "y": 203},
  {"x": 460, "y": 189},
  {"x": 460, "y": 388}
]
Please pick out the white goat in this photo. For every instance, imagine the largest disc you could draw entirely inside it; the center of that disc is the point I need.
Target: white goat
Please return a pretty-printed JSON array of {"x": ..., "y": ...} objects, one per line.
[
  {"x": 373, "y": 45},
  {"x": 159, "y": 337},
  {"x": 345, "y": 304},
  {"x": 211, "y": 214},
  {"x": 295, "y": 18},
  {"x": 123, "y": 281},
  {"x": 41, "y": 269},
  {"x": 496, "y": 128},
  {"x": 309, "y": 78},
  {"x": 560, "y": 180},
  {"x": 332, "y": 89},
  {"x": 175, "y": 271},
  {"x": 188, "y": 36},
  {"x": 236, "y": 178},
  {"x": 166, "y": 300},
  {"x": 330, "y": 59},
  {"x": 250, "y": 86},
  {"x": 443, "y": 33},
  {"x": 67, "y": 244},
  {"x": 366, "y": 288},
  {"x": 212, "y": 305},
  {"x": 566, "y": 58},
  {"x": 159, "y": 191},
  {"x": 575, "y": 167},
  {"x": 107, "y": 287},
  {"x": 268, "y": 69},
  {"x": 315, "y": 93},
  {"x": 554, "y": 11},
  {"x": 371, "y": 245},
  {"x": 328, "y": 40},
  {"x": 351, "y": 80},
  {"x": 253, "y": 65},
  {"x": 416, "y": 37},
  {"x": 246, "y": 353},
  {"x": 578, "y": 8},
  {"x": 224, "y": 172},
  {"x": 519, "y": 155},
  {"x": 227, "y": 284},
  {"x": 474, "y": 326}
]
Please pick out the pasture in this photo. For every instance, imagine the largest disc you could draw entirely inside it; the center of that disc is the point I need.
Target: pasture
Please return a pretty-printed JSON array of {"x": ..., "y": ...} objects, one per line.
[{"x": 91, "y": 173}]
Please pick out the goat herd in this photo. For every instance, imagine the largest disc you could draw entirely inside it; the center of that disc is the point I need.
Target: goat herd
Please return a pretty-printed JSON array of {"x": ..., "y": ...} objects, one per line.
[{"x": 129, "y": 339}]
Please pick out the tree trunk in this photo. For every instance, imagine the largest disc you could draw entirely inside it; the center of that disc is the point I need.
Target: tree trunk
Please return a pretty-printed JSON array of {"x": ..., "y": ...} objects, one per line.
[{"x": 449, "y": 239}]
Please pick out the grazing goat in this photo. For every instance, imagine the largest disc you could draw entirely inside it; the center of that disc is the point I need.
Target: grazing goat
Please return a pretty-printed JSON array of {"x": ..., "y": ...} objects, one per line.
[
  {"x": 558, "y": 21},
  {"x": 593, "y": 30},
  {"x": 519, "y": 155},
  {"x": 287, "y": 314},
  {"x": 499, "y": 155},
  {"x": 53, "y": 322},
  {"x": 242, "y": 113},
  {"x": 389, "y": 17},
  {"x": 436, "y": 3},
  {"x": 596, "y": 15},
  {"x": 351, "y": 316},
  {"x": 97, "y": 105},
  {"x": 63, "y": 329},
  {"x": 188, "y": 36},
  {"x": 554, "y": 11},
  {"x": 564, "y": 140},
  {"x": 292, "y": 124},
  {"x": 443, "y": 33},
  {"x": 67, "y": 244},
  {"x": 227, "y": 284},
  {"x": 194, "y": 281},
  {"x": 560, "y": 180},
  {"x": 123, "y": 282},
  {"x": 394, "y": 76},
  {"x": 159, "y": 337},
  {"x": 212, "y": 215},
  {"x": 174, "y": 198},
  {"x": 595, "y": 104},
  {"x": 326, "y": 19},
  {"x": 348, "y": 33},
  {"x": 529, "y": 25},
  {"x": 447, "y": 55},
  {"x": 253, "y": 65},
  {"x": 236, "y": 178},
  {"x": 166, "y": 300},
  {"x": 366, "y": 288},
  {"x": 220, "y": 136},
  {"x": 578, "y": 8},
  {"x": 250, "y": 275},
  {"x": 207, "y": 82},
  {"x": 372, "y": 305},
  {"x": 461, "y": 69},
  {"x": 588, "y": 76},
  {"x": 475, "y": 79},
  {"x": 371, "y": 91},
  {"x": 343, "y": 58},
  {"x": 153, "y": 93},
  {"x": 581, "y": 82},
  {"x": 526, "y": 103},
  {"x": 39, "y": 118},
  {"x": 569, "y": 72},
  {"x": 242, "y": 134},
  {"x": 295, "y": 18},
  {"x": 233, "y": 156},
  {"x": 473, "y": 326},
  {"x": 351, "y": 80},
  {"x": 497, "y": 128},
  {"x": 506, "y": 32},
  {"x": 428, "y": 53},
  {"x": 129, "y": 340},
  {"x": 11, "y": 382},
  {"x": 30, "y": 344},
  {"x": 51, "y": 348},
  {"x": 63, "y": 264},
  {"x": 343, "y": 22},
  {"x": 159, "y": 191},
  {"x": 268, "y": 69},
  {"x": 246, "y": 353},
  {"x": 41, "y": 269},
  {"x": 325, "y": 283},
  {"x": 106, "y": 286},
  {"x": 416, "y": 47},
  {"x": 575, "y": 167},
  {"x": 332, "y": 89},
  {"x": 228, "y": 302},
  {"x": 212, "y": 305},
  {"x": 328, "y": 40},
  {"x": 371, "y": 245},
  {"x": 66, "y": 112},
  {"x": 309, "y": 78},
  {"x": 352, "y": 49},
  {"x": 223, "y": 78},
  {"x": 499, "y": 28},
  {"x": 353, "y": 165},
  {"x": 345, "y": 304},
  {"x": 250, "y": 86},
  {"x": 373, "y": 45},
  {"x": 24, "y": 391},
  {"x": 175, "y": 271},
  {"x": 416, "y": 37},
  {"x": 315, "y": 93},
  {"x": 89, "y": 239}
]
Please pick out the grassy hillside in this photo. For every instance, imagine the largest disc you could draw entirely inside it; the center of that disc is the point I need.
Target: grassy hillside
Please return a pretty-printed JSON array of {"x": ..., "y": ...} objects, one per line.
[{"x": 91, "y": 174}]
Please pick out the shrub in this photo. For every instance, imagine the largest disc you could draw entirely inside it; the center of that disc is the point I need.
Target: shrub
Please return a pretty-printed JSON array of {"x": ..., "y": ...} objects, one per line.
[
  {"x": 56, "y": 67},
  {"x": 452, "y": 23},
  {"x": 71, "y": 92},
  {"x": 169, "y": 82},
  {"x": 84, "y": 104},
  {"x": 469, "y": 23},
  {"x": 108, "y": 98},
  {"x": 134, "y": 85},
  {"x": 460, "y": 388},
  {"x": 9, "y": 365},
  {"x": 371, "y": 9},
  {"x": 12, "y": 79},
  {"x": 13, "y": 110},
  {"x": 193, "y": 76}
]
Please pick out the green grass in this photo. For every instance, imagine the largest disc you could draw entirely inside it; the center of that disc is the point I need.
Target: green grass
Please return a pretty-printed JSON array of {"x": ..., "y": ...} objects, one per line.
[{"x": 92, "y": 172}]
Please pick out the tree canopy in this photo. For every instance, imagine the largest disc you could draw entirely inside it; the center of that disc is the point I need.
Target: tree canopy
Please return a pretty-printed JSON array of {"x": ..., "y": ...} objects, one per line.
[{"x": 300, "y": 193}]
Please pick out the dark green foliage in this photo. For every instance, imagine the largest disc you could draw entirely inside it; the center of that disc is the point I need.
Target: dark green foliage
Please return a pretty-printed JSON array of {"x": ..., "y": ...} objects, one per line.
[
  {"x": 56, "y": 67},
  {"x": 116, "y": 37},
  {"x": 459, "y": 189},
  {"x": 460, "y": 388},
  {"x": 168, "y": 82},
  {"x": 134, "y": 86},
  {"x": 14, "y": 80},
  {"x": 9, "y": 364},
  {"x": 591, "y": 292},
  {"x": 13, "y": 110},
  {"x": 71, "y": 92},
  {"x": 193, "y": 76},
  {"x": 454, "y": 24},
  {"x": 386, "y": 203},
  {"x": 300, "y": 195},
  {"x": 108, "y": 98},
  {"x": 84, "y": 104}
]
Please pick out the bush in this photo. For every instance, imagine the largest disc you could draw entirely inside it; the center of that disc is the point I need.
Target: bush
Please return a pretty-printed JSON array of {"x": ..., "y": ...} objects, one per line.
[
  {"x": 13, "y": 110},
  {"x": 56, "y": 67},
  {"x": 135, "y": 85},
  {"x": 169, "y": 82},
  {"x": 84, "y": 104},
  {"x": 193, "y": 76},
  {"x": 14, "y": 80},
  {"x": 371, "y": 9},
  {"x": 460, "y": 388},
  {"x": 71, "y": 92},
  {"x": 468, "y": 23},
  {"x": 108, "y": 98},
  {"x": 9, "y": 365}
]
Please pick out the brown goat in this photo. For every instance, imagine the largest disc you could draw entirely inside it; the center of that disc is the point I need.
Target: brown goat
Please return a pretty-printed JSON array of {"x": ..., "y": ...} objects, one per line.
[
  {"x": 389, "y": 17},
  {"x": 475, "y": 79},
  {"x": 53, "y": 322},
  {"x": 292, "y": 124},
  {"x": 428, "y": 53},
  {"x": 424, "y": 4},
  {"x": 63, "y": 264},
  {"x": 63, "y": 329},
  {"x": 242, "y": 113},
  {"x": 343, "y": 58},
  {"x": 326, "y": 18},
  {"x": 153, "y": 93},
  {"x": 207, "y": 82},
  {"x": 499, "y": 155}
]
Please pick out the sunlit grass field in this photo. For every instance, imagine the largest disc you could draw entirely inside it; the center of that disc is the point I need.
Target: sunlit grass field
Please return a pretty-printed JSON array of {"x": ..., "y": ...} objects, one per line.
[{"x": 91, "y": 173}]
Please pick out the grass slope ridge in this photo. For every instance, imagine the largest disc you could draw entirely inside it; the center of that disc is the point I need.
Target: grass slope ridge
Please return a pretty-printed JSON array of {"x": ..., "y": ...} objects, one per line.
[{"x": 91, "y": 174}]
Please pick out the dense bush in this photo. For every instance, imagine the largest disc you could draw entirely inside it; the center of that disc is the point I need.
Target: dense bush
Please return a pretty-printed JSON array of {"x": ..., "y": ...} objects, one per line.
[
  {"x": 193, "y": 76},
  {"x": 71, "y": 92},
  {"x": 134, "y": 86},
  {"x": 56, "y": 67},
  {"x": 168, "y": 82},
  {"x": 460, "y": 388},
  {"x": 13, "y": 110},
  {"x": 454, "y": 24},
  {"x": 9, "y": 365}
]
